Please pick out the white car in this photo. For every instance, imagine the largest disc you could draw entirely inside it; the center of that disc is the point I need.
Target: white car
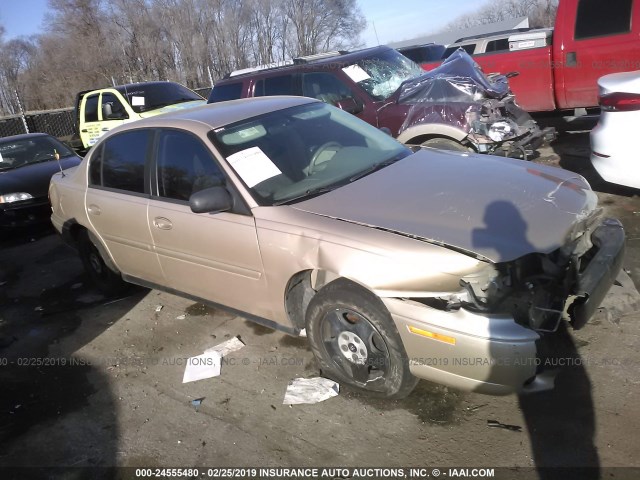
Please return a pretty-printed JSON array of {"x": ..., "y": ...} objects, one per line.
[{"x": 613, "y": 149}]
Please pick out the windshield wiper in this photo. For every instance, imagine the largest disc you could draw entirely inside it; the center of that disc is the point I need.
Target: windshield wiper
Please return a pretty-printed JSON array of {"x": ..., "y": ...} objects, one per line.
[
  {"x": 313, "y": 192},
  {"x": 375, "y": 168}
]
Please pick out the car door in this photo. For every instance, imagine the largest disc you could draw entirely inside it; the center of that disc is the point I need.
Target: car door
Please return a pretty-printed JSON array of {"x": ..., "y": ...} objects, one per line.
[
  {"x": 113, "y": 111},
  {"x": 213, "y": 256},
  {"x": 89, "y": 121},
  {"x": 601, "y": 38},
  {"x": 117, "y": 201}
]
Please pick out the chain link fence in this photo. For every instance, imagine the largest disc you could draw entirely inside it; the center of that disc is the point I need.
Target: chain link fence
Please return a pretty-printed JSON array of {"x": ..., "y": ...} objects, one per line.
[{"x": 58, "y": 123}]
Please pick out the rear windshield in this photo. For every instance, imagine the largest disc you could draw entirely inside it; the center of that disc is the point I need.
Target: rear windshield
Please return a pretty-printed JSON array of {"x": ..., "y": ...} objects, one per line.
[
  {"x": 150, "y": 96},
  {"x": 222, "y": 93}
]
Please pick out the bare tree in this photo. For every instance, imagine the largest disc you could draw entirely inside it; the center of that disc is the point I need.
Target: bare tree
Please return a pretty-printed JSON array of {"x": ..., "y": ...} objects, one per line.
[
  {"x": 322, "y": 25},
  {"x": 541, "y": 13},
  {"x": 95, "y": 43}
]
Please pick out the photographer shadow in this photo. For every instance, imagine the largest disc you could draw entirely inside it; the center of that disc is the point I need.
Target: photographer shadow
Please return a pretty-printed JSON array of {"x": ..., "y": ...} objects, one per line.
[{"x": 560, "y": 422}]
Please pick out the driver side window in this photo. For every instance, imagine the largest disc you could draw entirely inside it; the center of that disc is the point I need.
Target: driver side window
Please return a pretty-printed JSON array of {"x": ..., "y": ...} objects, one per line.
[
  {"x": 184, "y": 166},
  {"x": 112, "y": 108}
]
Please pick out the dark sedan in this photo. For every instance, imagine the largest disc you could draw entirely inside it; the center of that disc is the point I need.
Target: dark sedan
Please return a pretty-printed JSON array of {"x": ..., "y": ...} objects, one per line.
[{"x": 27, "y": 163}]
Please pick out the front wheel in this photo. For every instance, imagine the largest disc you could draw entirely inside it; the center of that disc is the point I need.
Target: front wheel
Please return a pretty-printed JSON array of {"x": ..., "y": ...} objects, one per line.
[
  {"x": 107, "y": 281},
  {"x": 355, "y": 341}
]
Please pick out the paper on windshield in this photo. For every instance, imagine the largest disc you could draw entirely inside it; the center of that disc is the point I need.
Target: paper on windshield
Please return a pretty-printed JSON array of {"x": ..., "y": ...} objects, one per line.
[
  {"x": 356, "y": 73},
  {"x": 253, "y": 166},
  {"x": 1, "y": 160},
  {"x": 137, "y": 101}
]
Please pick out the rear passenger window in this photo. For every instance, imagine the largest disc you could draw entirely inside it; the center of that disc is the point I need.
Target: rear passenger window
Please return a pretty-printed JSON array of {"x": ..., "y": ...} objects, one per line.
[
  {"x": 325, "y": 87},
  {"x": 282, "y": 85},
  {"x": 222, "y": 93},
  {"x": 597, "y": 17},
  {"x": 95, "y": 168},
  {"x": 91, "y": 109},
  {"x": 498, "y": 45},
  {"x": 184, "y": 166},
  {"x": 123, "y": 161},
  {"x": 467, "y": 48}
]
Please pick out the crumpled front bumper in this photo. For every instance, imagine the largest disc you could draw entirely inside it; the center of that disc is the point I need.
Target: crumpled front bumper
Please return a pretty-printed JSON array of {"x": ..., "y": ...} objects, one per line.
[
  {"x": 492, "y": 353},
  {"x": 523, "y": 147},
  {"x": 598, "y": 276}
]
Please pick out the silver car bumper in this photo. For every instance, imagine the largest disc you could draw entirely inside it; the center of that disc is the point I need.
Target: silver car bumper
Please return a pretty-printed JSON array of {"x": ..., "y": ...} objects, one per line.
[{"x": 488, "y": 354}]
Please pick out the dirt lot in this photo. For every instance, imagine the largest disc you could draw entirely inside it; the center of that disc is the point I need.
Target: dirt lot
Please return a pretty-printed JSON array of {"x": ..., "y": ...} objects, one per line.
[{"x": 112, "y": 391}]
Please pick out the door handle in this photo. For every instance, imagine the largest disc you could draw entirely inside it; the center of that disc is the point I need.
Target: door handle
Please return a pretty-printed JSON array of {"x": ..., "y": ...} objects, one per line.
[
  {"x": 105, "y": 129},
  {"x": 162, "y": 223},
  {"x": 84, "y": 130},
  {"x": 94, "y": 209},
  {"x": 572, "y": 59}
]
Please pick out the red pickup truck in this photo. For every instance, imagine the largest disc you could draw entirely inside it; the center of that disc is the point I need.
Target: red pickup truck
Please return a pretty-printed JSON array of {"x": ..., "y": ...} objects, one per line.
[{"x": 560, "y": 71}]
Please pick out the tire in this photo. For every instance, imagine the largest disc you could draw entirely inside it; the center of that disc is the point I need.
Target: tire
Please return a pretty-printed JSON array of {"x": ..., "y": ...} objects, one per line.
[
  {"x": 355, "y": 341},
  {"x": 445, "y": 144},
  {"x": 105, "y": 279}
]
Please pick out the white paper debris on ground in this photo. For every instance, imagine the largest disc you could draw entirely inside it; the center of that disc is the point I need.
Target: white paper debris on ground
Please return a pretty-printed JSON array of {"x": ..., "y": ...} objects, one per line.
[
  {"x": 225, "y": 348},
  {"x": 203, "y": 366},
  {"x": 310, "y": 390},
  {"x": 159, "y": 307},
  {"x": 208, "y": 364},
  {"x": 181, "y": 317},
  {"x": 303, "y": 333}
]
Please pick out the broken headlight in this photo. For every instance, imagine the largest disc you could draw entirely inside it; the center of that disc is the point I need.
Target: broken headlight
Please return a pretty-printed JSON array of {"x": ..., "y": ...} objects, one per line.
[{"x": 501, "y": 131}]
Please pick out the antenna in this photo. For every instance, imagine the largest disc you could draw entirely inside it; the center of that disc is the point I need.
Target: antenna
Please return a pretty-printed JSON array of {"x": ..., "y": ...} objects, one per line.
[
  {"x": 56, "y": 155},
  {"x": 375, "y": 31}
]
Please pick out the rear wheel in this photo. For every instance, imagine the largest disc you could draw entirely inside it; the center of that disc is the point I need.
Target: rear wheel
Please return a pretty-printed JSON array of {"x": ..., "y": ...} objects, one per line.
[
  {"x": 445, "y": 144},
  {"x": 355, "y": 341},
  {"x": 107, "y": 281}
]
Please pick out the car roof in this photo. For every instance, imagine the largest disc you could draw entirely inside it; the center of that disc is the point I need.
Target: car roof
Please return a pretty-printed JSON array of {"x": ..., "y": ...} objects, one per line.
[
  {"x": 207, "y": 117},
  {"x": 23, "y": 136},
  {"x": 338, "y": 59}
]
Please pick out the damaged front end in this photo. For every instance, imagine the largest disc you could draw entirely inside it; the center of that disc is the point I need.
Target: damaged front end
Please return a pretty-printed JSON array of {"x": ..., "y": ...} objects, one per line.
[
  {"x": 539, "y": 290},
  {"x": 500, "y": 127},
  {"x": 460, "y": 95}
]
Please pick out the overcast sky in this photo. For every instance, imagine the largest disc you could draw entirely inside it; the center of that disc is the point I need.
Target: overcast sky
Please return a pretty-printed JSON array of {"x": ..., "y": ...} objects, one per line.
[{"x": 393, "y": 20}]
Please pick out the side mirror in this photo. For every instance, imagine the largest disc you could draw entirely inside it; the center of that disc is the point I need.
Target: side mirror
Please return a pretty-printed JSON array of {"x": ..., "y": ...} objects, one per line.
[
  {"x": 349, "y": 105},
  {"x": 210, "y": 200}
]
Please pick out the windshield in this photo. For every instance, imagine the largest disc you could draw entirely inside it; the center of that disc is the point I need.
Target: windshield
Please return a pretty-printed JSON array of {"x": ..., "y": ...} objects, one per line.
[
  {"x": 299, "y": 152},
  {"x": 382, "y": 74},
  {"x": 144, "y": 97},
  {"x": 30, "y": 150}
]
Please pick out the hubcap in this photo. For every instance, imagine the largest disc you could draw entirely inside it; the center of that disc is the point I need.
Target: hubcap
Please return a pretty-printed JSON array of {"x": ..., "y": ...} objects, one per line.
[
  {"x": 352, "y": 348},
  {"x": 355, "y": 347}
]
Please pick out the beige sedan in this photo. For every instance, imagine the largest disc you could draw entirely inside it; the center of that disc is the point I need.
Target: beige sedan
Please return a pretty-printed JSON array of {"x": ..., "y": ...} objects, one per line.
[{"x": 400, "y": 263}]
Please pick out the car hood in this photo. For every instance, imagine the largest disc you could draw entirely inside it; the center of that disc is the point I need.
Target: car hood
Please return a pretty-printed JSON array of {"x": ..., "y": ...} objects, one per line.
[
  {"x": 494, "y": 207},
  {"x": 33, "y": 179},
  {"x": 173, "y": 108}
]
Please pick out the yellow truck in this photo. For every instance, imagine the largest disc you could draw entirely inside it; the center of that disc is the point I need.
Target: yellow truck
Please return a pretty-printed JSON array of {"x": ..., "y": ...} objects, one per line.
[{"x": 98, "y": 111}]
